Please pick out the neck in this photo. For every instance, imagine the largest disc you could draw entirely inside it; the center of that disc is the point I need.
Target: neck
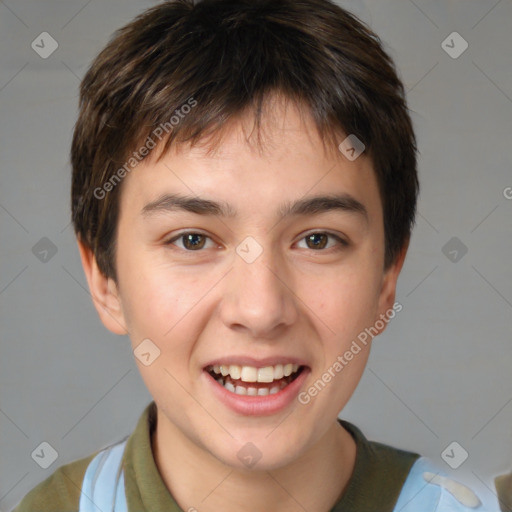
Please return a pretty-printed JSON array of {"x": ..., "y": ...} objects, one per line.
[{"x": 197, "y": 480}]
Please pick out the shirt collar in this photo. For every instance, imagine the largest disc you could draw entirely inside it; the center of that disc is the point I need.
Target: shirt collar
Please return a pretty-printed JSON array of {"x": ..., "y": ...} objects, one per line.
[{"x": 375, "y": 484}]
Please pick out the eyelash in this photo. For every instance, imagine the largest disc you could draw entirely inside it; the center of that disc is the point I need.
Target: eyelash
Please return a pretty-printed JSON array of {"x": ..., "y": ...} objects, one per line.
[{"x": 342, "y": 243}]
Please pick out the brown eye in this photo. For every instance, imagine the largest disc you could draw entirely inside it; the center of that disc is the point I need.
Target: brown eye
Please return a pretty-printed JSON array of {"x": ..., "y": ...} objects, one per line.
[
  {"x": 190, "y": 241},
  {"x": 320, "y": 240},
  {"x": 193, "y": 241},
  {"x": 317, "y": 240}
]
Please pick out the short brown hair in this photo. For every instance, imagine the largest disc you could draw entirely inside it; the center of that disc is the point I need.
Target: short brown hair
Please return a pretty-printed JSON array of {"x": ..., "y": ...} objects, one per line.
[{"x": 229, "y": 56}]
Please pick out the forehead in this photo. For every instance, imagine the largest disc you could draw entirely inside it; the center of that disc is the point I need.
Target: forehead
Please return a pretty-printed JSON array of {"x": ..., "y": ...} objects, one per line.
[
  {"x": 261, "y": 128},
  {"x": 283, "y": 158}
]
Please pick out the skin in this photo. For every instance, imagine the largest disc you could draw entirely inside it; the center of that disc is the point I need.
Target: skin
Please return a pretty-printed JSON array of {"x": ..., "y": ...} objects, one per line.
[{"x": 294, "y": 300}]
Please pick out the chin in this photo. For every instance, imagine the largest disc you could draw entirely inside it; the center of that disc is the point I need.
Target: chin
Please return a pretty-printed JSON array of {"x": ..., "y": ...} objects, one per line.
[{"x": 258, "y": 453}]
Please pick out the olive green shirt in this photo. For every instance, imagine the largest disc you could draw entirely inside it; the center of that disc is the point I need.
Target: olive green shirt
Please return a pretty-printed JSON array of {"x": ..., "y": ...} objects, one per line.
[{"x": 379, "y": 474}]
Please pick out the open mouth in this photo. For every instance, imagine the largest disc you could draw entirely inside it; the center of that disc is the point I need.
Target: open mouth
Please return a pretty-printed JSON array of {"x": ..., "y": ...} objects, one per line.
[{"x": 252, "y": 381}]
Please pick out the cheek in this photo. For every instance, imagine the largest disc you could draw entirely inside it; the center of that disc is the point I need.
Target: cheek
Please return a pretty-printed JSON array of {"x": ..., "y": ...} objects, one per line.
[
  {"x": 157, "y": 300},
  {"x": 348, "y": 303},
  {"x": 351, "y": 309},
  {"x": 164, "y": 307}
]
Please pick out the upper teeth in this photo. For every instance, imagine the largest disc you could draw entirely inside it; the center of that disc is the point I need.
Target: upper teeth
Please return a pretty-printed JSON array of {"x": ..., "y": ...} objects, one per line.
[{"x": 253, "y": 374}]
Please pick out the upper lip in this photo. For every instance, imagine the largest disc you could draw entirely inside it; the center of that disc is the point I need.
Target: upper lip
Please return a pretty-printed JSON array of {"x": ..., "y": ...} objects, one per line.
[{"x": 257, "y": 363}]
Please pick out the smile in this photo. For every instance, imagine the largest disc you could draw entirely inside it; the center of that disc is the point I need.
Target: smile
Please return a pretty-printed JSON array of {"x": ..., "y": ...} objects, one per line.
[{"x": 253, "y": 381}]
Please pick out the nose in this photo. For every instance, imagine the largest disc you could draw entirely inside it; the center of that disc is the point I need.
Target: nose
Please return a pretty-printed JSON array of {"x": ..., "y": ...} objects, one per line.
[{"x": 259, "y": 297}]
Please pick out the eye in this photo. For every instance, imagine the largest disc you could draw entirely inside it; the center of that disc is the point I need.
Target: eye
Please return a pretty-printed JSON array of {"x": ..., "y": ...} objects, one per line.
[
  {"x": 191, "y": 241},
  {"x": 318, "y": 241}
]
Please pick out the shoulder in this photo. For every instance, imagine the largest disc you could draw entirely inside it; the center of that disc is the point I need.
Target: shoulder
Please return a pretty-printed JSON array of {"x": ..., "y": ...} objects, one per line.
[
  {"x": 60, "y": 491},
  {"x": 428, "y": 489},
  {"x": 378, "y": 476},
  {"x": 403, "y": 481}
]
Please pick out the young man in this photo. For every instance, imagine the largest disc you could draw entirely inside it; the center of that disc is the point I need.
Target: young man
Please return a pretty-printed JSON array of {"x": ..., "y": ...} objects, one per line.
[{"x": 244, "y": 188}]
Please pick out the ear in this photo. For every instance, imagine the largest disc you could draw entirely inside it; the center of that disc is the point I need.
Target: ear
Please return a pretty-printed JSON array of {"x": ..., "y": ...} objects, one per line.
[
  {"x": 389, "y": 280},
  {"x": 104, "y": 292}
]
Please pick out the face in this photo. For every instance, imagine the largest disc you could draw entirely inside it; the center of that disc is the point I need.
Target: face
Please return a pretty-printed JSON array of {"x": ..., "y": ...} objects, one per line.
[{"x": 250, "y": 287}]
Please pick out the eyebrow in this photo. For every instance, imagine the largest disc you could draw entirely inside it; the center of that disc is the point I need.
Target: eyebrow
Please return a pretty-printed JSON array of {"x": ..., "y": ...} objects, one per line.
[{"x": 306, "y": 206}]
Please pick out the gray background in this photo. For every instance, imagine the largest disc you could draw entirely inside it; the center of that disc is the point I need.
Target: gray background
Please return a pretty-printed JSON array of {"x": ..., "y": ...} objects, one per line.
[{"x": 442, "y": 370}]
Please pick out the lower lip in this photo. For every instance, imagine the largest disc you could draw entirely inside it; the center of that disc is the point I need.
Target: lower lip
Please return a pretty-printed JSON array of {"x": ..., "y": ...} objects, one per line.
[{"x": 257, "y": 405}]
